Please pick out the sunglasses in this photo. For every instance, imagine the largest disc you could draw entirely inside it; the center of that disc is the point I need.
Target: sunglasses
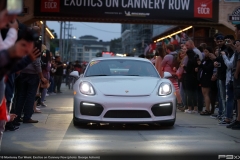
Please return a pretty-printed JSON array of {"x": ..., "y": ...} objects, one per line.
[{"x": 219, "y": 41}]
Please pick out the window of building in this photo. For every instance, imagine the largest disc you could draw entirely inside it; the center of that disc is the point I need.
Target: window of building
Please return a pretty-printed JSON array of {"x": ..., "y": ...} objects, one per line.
[{"x": 79, "y": 50}]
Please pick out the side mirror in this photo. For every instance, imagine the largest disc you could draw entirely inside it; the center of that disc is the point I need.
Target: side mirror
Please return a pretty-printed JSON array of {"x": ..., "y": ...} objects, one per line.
[
  {"x": 167, "y": 75},
  {"x": 74, "y": 74}
]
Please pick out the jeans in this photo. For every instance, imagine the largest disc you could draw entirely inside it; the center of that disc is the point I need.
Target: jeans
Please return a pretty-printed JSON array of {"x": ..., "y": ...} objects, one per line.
[
  {"x": 183, "y": 96},
  {"x": 43, "y": 94},
  {"x": 2, "y": 128},
  {"x": 222, "y": 97},
  {"x": 51, "y": 88},
  {"x": 229, "y": 101},
  {"x": 58, "y": 82},
  {"x": 26, "y": 97}
]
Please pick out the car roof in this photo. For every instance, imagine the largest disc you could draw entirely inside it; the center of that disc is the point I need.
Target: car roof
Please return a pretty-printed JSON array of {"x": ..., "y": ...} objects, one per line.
[{"x": 116, "y": 58}]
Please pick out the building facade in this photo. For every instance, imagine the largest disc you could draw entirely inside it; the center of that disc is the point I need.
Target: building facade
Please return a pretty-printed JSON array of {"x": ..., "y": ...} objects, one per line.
[
  {"x": 135, "y": 36},
  {"x": 86, "y": 48}
]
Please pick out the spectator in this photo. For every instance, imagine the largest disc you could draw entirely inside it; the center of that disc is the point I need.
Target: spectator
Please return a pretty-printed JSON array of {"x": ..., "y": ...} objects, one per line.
[
  {"x": 191, "y": 46},
  {"x": 180, "y": 73},
  {"x": 160, "y": 53},
  {"x": 51, "y": 89},
  {"x": 8, "y": 58},
  {"x": 46, "y": 67},
  {"x": 58, "y": 74},
  {"x": 190, "y": 83},
  {"x": 205, "y": 72},
  {"x": 167, "y": 65},
  {"x": 77, "y": 67},
  {"x": 221, "y": 75},
  {"x": 29, "y": 78},
  {"x": 236, "y": 82}
]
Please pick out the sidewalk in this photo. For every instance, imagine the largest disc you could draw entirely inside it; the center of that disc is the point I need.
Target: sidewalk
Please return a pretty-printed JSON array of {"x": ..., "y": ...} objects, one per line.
[{"x": 46, "y": 135}]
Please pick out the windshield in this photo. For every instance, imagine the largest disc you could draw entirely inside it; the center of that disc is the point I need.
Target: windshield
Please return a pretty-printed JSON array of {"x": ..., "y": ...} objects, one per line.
[{"x": 120, "y": 67}]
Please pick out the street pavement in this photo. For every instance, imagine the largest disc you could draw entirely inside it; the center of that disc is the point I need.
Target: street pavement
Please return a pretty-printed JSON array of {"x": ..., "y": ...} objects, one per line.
[{"x": 55, "y": 135}]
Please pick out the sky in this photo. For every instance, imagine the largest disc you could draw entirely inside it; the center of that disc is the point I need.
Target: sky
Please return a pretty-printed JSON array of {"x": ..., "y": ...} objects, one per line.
[{"x": 103, "y": 31}]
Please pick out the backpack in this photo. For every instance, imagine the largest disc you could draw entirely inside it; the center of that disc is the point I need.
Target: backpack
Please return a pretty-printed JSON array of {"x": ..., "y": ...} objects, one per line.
[{"x": 175, "y": 62}]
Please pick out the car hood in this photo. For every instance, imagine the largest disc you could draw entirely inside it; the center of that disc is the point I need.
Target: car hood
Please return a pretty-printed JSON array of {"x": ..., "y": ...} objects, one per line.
[{"x": 134, "y": 86}]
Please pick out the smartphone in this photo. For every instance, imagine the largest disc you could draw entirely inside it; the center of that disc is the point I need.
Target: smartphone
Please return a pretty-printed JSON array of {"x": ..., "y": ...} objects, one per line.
[
  {"x": 219, "y": 65},
  {"x": 38, "y": 44},
  {"x": 14, "y": 6}
]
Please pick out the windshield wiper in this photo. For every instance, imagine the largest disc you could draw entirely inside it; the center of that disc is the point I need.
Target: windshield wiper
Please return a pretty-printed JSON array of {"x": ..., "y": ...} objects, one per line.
[{"x": 97, "y": 75}]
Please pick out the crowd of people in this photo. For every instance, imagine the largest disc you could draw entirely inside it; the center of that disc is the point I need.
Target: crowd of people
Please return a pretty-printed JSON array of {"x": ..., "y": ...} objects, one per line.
[
  {"x": 28, "y": 72},
  {"x": 206, "y": 77}
]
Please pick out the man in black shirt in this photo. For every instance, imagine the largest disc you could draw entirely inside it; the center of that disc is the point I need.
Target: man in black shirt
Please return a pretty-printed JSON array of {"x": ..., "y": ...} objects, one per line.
[
  {"x": 58, "y": 74},
  {"x": 221, "y": 75}
]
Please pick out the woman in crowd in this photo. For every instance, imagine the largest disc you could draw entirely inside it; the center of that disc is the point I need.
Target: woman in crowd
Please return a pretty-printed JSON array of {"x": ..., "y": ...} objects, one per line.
[
  {"x": 190, "y": 82},
  {"x": 160, "y": 53},
  {"x": 180, "y": 74},
  {"x": 213, "y": 89},
  {"x": 205, "y": 72},
  {"x": 46, "y": 67}
]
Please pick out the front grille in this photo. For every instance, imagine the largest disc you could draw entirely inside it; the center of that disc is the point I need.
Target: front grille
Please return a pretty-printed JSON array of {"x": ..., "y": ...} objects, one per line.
[
  {"x": 95, "y": 110},
  {"x": 127, "y": 114},
  {"x": 162, "y": 110}
]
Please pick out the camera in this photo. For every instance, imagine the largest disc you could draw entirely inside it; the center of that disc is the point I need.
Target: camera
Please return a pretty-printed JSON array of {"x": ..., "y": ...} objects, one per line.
[
  {"x": 219, "y": 65},
  {"x": 38, "y": 43},
  {"x": 227, "y": 41},
  {"x": 196, "y": 57}
]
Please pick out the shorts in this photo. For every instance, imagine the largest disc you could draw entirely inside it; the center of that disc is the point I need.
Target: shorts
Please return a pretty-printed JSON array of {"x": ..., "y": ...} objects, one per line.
[{"x": 175, "y": 83}]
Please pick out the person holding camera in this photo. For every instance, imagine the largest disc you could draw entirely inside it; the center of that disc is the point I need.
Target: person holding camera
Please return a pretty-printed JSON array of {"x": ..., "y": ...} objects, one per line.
[
  {"x": 228, "y": 61},
  {"x": 10, "y": 81},
  {"x": 9, "y": 57},
  {"x": 221, "y": 76},
  {"x": 29, "y": 78}
]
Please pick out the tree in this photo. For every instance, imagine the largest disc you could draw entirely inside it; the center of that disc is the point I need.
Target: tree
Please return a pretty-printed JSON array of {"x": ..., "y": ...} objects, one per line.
[
  {"x": 54, "y": 33},
  {"x": 54, "y": 43}
]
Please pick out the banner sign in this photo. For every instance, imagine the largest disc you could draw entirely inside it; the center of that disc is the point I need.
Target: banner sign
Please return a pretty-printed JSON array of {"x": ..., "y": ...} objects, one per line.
[
  {"x": 193, "y": 10},
  {"x": 235, "y": 16}
]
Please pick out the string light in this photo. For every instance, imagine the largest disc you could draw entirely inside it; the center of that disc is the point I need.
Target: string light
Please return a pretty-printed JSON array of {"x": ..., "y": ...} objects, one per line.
[{"x": 170, "y": 35}]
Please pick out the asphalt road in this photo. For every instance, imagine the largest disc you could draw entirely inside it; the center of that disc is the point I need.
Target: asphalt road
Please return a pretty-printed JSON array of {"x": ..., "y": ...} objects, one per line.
[{"x": 193, "y": 137}]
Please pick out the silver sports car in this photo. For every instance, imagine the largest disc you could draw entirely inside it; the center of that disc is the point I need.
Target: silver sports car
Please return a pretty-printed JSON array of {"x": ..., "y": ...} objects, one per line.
[{"x": 123, "y": 90}]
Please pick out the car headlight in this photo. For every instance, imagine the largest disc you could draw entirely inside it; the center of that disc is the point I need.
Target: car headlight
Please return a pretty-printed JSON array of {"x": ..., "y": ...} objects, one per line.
[
  {"x": 86, "y": 88},
  {"x": 165, "y": 89}
]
